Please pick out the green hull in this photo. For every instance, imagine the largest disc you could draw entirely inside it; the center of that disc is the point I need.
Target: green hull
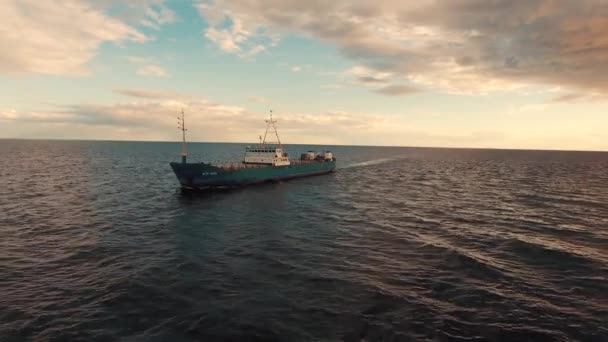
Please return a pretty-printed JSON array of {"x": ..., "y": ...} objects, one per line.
[{"x": 201, "y": 175}]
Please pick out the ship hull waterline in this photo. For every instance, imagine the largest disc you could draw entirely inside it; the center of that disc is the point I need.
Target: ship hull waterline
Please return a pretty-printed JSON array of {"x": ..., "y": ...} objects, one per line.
[{"x": 200, "y": 176}]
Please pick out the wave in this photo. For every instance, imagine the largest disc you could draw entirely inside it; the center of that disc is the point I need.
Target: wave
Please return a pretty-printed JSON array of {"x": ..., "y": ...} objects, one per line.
[
  {"x": 550, "y": 258},
  {"x": 405, "y": 244},
  {"x": 369, "y": 162}
]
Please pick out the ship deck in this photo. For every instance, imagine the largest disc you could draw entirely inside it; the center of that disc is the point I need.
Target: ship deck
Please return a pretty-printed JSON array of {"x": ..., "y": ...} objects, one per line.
[{"x": 240, "y": 165}]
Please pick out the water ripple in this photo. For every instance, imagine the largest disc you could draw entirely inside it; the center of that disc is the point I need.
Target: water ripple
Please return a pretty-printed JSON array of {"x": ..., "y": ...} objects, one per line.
[{"x": 99, "y": 244}]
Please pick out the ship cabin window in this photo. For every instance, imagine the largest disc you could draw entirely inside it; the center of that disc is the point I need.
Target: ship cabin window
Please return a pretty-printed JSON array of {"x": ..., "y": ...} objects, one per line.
[{"x": 261, "y": 150}]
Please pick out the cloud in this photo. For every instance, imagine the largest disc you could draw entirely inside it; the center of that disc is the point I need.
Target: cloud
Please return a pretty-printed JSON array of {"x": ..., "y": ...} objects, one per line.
[
  {"x": 56, "y": 37},
  {"x": 365, "y": 73},
  {"x": 296, "y": 69},
  {"x": 157, "y": 14},
  {"x": 65, "y": 115},
  {"x": 579, "y": 97},
  {"x": 331, "y": 86},
  {"x": 151, "y": 94},
  {"x": 368, "y": 77},
  {"x": 153, "y": 114},
  {"x": 227, "y": 40},
  {"x": 147, "y": 66},
  {"x": 257, "y": 99},
  {"x": 149, "y": 13},
  {"x": 568, "y": 97},
  {"x": 252, "y": 52},
  {"x": 138, "y": 59},
  {"x": 154, "y": 119},
  {"x": 385, "y": 83},
  {"x": 472, "y": 46},
  {"x": 231, "y": 35},
  {"x": 8, "y": 114},
  {"x": 371, "y": 79},
  {"x": 397, "y": 90},
  {"x": 152, "y": 70}
]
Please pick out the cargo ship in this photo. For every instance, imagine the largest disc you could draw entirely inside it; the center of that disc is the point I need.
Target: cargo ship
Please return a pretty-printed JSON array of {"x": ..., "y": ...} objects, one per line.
[{"x": 263, "y": 162}]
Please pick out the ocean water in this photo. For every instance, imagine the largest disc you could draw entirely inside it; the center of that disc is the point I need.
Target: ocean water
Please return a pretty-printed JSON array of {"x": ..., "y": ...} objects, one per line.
[{"x": 97, "y": 243}]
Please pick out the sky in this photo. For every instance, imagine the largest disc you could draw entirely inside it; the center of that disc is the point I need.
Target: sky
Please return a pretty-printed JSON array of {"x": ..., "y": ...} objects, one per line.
[{"x": 477, "y": 73}]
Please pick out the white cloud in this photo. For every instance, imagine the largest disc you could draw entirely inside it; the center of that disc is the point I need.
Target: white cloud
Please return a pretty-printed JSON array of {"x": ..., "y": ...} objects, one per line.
[
  {"x": 233, "y": 36},
  {"x": 397, "y": 90},
  {"x": 368, "y": 77},
  {"x": 296, "y": 68},
  {"x": 157, "y": 14},
  {"x": 152, "y": 70},
  {"x": 253, "y": 51},
  {"x": 580, "y": 97},
  {"x": 56, "y": 37},
  {"x": 471, "y": 47},
  {"x": 151, "y": 94},
  {"x": 331, "y": 86},
  {"x": 9, "y": 114},
  {"x": 147, "y": 66},
  {"x": 139, "y": 59},
  {"x": 362, "y": 71},
  {"x": 150, "y": 115},
  {"x": 258, "y": 99},
  {"x": 150, "y": 13},
  {"x": 227, "y": 40}
]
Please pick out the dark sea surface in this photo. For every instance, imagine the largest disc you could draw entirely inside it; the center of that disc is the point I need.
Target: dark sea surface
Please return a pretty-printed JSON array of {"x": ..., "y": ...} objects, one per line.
[{"x": 97, "y": 243}]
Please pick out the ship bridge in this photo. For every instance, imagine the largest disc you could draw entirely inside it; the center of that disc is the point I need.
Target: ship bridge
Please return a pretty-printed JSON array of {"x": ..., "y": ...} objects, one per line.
[{"x": 264, "y": 153}]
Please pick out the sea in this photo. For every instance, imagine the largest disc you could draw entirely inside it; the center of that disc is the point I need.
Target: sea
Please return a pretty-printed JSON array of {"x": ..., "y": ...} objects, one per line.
[{"x": 98, "y": 243}]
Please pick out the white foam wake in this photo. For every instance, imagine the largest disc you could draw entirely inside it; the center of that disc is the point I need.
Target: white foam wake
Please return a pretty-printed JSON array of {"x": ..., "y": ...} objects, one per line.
[{"x": 369, "y": 162}]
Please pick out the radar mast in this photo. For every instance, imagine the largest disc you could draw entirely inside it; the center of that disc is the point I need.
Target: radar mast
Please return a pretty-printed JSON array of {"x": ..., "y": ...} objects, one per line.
[
  {"x": 271, "y": 123},
  {"x": 181, "y": 125}
]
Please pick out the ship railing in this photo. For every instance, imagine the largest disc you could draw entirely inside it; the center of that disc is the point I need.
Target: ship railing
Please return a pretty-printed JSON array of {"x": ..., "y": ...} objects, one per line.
[
  {"x": 239, "y": 166},
  {"x": 300, "y": 161}
]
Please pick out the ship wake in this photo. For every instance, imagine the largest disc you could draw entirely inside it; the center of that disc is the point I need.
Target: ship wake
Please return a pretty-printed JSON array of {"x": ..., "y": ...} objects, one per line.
[{"x": 369, "y": 162}]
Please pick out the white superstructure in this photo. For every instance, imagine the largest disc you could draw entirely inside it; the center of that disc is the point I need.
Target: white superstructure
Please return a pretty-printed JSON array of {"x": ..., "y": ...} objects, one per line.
[{"x": 265, "y": 154}]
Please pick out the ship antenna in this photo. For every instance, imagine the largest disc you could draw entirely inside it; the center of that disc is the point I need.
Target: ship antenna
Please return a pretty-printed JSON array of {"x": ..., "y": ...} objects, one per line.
[
  {"x": 267, "y": 126},
  {"x": 181, "y": 124}
]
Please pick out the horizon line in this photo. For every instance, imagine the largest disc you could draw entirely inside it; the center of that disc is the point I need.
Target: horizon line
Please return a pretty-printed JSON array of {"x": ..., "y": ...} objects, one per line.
[{"x": 388, "y": 146}]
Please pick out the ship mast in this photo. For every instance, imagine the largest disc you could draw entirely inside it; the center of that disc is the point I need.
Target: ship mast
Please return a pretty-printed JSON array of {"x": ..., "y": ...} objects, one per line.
[
  {"x": 269, "y": 123},
  {"x": 181, "y": 125}
]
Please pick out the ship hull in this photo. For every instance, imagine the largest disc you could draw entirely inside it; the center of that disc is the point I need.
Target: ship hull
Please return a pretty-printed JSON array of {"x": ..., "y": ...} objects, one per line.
[{"x": 198, "y": 176}]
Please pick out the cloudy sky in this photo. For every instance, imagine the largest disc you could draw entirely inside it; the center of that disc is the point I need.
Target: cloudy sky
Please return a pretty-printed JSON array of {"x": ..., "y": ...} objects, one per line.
[{"x": 455, "y": 73}]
